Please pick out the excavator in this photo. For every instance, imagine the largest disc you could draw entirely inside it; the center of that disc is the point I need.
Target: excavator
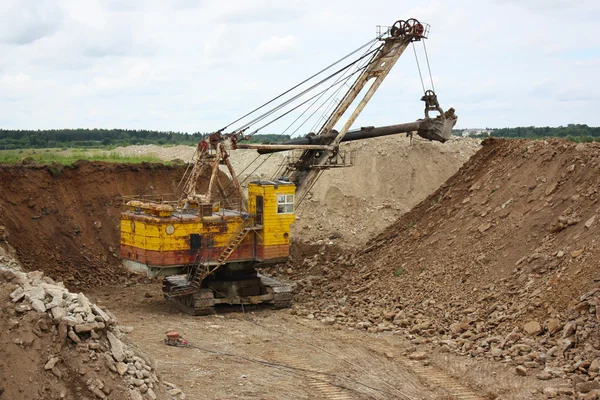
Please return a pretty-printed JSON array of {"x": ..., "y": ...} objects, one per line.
[{"x": 208, "y": 246}]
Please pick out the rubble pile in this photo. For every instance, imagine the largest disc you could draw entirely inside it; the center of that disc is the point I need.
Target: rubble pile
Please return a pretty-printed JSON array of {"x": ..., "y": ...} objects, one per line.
[
  {"x": 81, "y": 341},
  {"x": 501, "y": 262}
]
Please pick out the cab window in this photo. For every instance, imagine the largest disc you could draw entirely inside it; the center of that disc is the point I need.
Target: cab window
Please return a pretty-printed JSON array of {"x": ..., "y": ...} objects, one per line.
[{"x": 285, "y": 203}]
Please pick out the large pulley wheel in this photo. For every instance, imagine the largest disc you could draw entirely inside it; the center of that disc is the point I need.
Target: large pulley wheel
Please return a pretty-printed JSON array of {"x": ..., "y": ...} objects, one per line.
[
  {"x": 397, "y": 28},
  {"x": 410, "y": 27},
  {"x": 414, "y": 28}
]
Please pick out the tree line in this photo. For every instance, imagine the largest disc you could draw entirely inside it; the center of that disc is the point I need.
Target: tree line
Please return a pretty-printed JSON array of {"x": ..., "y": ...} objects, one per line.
[
  {"x": 79, "y": 138},
  {"x": 573, "y": 132},
  {"x": 60, "y": 138}
]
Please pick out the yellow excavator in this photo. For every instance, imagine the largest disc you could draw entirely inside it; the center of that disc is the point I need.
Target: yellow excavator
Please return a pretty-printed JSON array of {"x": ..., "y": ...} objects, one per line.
[{"x": 209, "y": 245}]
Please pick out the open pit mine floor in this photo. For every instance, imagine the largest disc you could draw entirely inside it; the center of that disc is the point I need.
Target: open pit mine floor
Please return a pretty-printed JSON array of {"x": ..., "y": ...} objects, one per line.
[{"x": 260, "y": 353}]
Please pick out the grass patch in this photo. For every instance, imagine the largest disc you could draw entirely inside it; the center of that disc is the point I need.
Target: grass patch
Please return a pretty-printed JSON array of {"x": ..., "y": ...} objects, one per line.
[
  {"x": 399, "y": 271},
  {"x": 68, "y": 157}
]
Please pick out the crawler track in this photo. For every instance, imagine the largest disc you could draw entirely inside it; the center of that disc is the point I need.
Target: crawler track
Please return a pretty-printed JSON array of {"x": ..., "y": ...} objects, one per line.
[{"x": 434, "y": 377}]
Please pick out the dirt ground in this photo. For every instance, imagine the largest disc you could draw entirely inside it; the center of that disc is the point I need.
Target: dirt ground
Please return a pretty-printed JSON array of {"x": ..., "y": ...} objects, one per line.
[{"x": 271, "y": 354}]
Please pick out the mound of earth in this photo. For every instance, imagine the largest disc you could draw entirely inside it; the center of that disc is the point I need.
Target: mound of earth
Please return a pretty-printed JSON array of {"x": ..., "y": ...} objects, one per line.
[
  {"x": 58, "y": 345},
  {"x": 390, "y": 176},
  {"x": 500, "y": 262}
]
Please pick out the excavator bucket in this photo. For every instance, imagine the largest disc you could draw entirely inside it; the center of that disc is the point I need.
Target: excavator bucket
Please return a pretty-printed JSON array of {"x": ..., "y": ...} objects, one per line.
[{"x": 439, "y": 128}]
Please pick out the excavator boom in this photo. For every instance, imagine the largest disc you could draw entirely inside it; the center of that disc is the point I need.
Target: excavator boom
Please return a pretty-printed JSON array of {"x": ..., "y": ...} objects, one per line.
[{"x": 318, "y": 149}]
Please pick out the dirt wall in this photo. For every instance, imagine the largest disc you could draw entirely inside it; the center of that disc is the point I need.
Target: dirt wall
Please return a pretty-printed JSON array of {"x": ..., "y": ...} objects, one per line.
[{"x": 65, "y": 220}]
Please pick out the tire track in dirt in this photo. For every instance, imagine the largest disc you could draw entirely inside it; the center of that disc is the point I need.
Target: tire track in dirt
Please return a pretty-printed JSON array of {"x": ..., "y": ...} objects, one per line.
[
  {"x": 436, "y": 378},
  {"x": 318, "y": 380}
]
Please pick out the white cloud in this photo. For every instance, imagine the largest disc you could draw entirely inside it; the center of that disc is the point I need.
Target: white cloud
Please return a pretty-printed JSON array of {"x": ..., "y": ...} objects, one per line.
[
  {"x": 277, "y": 46},
  {"x": 196, "y": 65},
  {"x": 15, "y": 80},
  {"x": 25, "y": 21}
]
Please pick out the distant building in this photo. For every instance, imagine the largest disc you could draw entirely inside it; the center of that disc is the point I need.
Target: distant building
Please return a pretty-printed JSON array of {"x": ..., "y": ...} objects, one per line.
[{"x": 475, "y": 132}]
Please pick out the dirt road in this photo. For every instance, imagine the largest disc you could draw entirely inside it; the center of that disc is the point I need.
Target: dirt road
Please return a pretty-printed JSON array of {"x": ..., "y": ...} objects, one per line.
[{"x": 265, "y": 354}]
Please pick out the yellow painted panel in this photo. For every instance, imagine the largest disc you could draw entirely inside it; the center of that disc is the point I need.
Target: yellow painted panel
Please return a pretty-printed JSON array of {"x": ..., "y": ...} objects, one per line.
[{"x": 150, "y": 234}]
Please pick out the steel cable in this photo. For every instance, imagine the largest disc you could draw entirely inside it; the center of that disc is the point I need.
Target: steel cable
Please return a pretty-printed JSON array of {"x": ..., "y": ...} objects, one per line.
[
  {"x": 280, "y": 106},
  {"x": 304, "y": 81}
]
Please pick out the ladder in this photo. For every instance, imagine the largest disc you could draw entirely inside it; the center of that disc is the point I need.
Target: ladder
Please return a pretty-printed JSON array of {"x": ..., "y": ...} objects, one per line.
[{"x": 195, "y": 277}]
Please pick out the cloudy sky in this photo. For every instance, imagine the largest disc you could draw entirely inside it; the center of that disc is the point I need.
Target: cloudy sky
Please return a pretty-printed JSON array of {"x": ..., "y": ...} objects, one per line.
[{"x": 196, "y": 65}]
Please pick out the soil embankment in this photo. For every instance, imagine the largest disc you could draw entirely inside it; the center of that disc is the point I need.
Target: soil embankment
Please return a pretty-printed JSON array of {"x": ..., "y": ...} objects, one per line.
[
  {"x": 65, "y": 220},
  {"x": 500, "y": 262}
]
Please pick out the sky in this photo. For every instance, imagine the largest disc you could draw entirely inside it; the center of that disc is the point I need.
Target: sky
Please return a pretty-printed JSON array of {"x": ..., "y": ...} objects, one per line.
[{"x": 198, "y": 65}]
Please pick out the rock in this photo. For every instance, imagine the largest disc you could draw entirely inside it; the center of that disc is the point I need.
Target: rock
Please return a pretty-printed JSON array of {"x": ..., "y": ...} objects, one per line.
[
  {"x": 70, "y": 320},
  {"x": 521, "y": 370},
  {"x": 555, "y": 372},
  {"x": 459, "y": 327},
  {"x": 567, "y": 391},
  {"x": 569, "y": 329},
  {"x": 532, "y": 328},
  {"x": 585, "y": 387},
  {"x": 97, "y": 392},
  {"x": 62, "y": 334},
  {"x": 595, "y": 366},
  {"x": 592, "y": 395},
  {"x": 73, "y": 336},
  {"x": 135, "y": 395},
  {"x": 58, "y": 313},
  {"x": 116, "y": 347},
  {"x": 84, "y": 303},
  {"x": 550, "y": 392},
  {"x": 568, "y": 343},
  {"x": 22, "y": 308},
  {"x": 17, "y": 295},
  {"x": 544, "y": 376},
  {"x": 484, "y": 227},
  {"x": 553, "y": 325},
  {"x": 56, "y": 372},
  {"x": 35, "y": 293},
  {"x": 513, "y": 336},
  {"x": 576, "y": 253},
  {"x": 38, "y": 306},
  {"x": 418, "y": 355},
  {"x": 551, "y": 188},
  {"x": 98, "y": 311},
  {"x": 84, "y": 328},
  {"x": 363, "y": 325},
  {"x": 51, "y": 363},
  {"x": 138, "y": 382},
  {"x": 496, "y": 352},
  {"x": 151, "y": 394},
  {"x": 121, "y": 368},
  {"x": 328, "y": 320},
  {"x": 590, "y": 222},
  {"x": 12, "y": 324}
]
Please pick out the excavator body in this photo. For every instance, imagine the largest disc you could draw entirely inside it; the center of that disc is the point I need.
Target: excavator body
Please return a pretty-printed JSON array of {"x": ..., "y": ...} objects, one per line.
[{"x": 158, "y": 239}]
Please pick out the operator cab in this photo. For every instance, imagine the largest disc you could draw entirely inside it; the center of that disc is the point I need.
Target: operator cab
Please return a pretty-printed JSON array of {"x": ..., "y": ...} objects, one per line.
[{"x": 273, "y": 204}]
